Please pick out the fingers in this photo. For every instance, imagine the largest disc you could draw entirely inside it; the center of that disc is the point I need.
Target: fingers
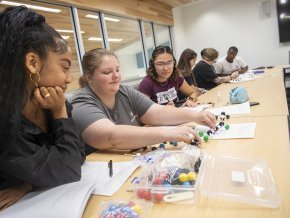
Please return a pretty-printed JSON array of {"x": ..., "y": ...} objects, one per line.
[
  {"x": 6, "y": 199},
  {"x": 209, "y": 119},
  {"x": 190, "y": 103},
  {"x": 186, "y": 134},
  {"x": 49, "y": 97}
]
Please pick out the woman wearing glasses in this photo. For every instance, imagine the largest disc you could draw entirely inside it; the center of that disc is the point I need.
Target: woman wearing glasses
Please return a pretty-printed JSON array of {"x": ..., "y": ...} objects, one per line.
[
  {"x": 163, "y": 80},
  {"x": 109, "y": 115}
]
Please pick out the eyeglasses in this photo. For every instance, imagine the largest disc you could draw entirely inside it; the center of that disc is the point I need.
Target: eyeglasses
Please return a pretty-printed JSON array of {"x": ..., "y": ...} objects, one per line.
[{"x": 161, "y": 65}]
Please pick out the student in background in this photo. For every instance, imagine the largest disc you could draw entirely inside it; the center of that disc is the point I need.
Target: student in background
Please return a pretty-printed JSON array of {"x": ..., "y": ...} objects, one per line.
[
  {"x": 109, "y": 115},
  {"x": 185, "y": 65},
  {"x": 204, "y": 72},
  {"x": 40, "y": 146},
  {"x": 231, "y": 63},
  {"x": 163, "y": 80}
]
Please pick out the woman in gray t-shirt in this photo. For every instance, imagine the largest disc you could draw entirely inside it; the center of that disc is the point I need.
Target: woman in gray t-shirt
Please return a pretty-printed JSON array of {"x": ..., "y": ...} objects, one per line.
[{"x": 109, "y": 115}]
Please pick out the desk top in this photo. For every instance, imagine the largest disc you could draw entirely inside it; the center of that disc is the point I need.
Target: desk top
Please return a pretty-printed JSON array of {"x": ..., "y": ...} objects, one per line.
[
  {"x": 267, "y": 89},
  {"x": 271, "y": 141}
]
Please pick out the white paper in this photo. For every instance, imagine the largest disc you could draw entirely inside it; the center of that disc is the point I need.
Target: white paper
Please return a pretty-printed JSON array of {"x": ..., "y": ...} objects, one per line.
[
  {"x": 106, "y": 185},
  {"x": 199, "y": 107},
  {"x": 244, "y": 77},
  {"x": 69, "y": 200},
  {"x": 236, "y": 131},
  {"x": 235, "y": 109},
  {"x": 238, "y": 176}
]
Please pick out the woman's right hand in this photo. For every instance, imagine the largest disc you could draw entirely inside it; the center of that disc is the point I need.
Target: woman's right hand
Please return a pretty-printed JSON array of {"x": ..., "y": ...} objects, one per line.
[
  {"x": 53, "y": 99},
  {"x": 10, "y": 196},
  {"x": 206, "y": 118},
  {"x": 183, "y": 134}
]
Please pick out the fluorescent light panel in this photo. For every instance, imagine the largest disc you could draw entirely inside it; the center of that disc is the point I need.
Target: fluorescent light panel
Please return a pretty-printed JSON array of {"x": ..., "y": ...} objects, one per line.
[
  {"x": 106, "y": 18},
  {"x": 100, "y": 39},
  {"x": 68, "y": 31},
  {"x": 31, "y": 6},
  {"x": 65, "y": 37},
  {"x": 284, "y": 16}
]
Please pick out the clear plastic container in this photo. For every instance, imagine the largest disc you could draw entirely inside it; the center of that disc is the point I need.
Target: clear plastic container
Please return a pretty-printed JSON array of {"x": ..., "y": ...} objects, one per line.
[
  {"x": 170, "y": 177},
  {"x": 246, "y": 180}
]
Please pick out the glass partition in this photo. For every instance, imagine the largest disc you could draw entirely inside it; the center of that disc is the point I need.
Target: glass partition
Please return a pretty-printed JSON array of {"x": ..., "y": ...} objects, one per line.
[{"x": 125, "y": 40}]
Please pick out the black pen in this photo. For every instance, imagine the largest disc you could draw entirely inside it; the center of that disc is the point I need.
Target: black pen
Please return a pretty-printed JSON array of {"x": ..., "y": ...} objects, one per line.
[{"x": 110, "y": 165}]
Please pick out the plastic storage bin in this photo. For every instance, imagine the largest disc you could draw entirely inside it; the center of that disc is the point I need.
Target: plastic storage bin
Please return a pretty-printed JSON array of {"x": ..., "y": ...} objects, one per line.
[
  {"x": 170, "y": 177},
  {"x": 246, "y": 180}
]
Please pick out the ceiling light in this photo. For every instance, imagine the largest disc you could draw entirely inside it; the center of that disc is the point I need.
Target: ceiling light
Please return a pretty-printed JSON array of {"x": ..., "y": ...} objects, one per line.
[
  {"x": 283, "y": 1},
  {"x": 68, "y": 31},
  {"x": 95, "y": 39},
  {"x": 112, "y": 19},
  {"x": 284, "y": 16},
  {"x": 106, "y": 18},
  {"x": 100, "y": 39},
  {"x": 115, "y": 40},
  {"x": 31, "y": 6},
  {"x": 65, "y": 37}
]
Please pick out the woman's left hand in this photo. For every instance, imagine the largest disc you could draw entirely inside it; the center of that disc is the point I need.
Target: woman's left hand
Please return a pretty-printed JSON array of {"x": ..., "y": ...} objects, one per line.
[
  {"x": 190, "y": 103},
  {"x": 10, "y": 196}
]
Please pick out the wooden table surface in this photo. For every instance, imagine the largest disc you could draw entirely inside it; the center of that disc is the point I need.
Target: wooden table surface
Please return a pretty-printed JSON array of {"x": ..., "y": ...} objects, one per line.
[{"x": 271, "y": 142}]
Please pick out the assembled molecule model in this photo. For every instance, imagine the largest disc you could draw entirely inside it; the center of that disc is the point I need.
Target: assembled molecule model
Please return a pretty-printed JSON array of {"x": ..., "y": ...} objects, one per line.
[{"x": 221, "y": 118}]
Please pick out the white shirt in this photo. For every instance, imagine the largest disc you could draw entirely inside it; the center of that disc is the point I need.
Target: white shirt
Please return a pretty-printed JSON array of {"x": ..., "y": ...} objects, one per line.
[{"x": 222, "y": 66}]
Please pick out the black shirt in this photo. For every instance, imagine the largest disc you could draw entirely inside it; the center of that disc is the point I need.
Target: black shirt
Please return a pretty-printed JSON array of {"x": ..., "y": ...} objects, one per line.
[
  {"x": 42, "y": 159},
  {"x": 190, "y": 80},
  {"x": 204, "y": 75}
]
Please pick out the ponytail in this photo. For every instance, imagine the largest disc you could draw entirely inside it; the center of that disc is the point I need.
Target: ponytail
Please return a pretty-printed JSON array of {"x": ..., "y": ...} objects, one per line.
[{"x": 21, "y": 31}]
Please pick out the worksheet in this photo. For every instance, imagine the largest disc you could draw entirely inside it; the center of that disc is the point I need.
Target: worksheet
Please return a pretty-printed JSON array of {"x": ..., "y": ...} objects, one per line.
[
  {"x": 69, "y": 200},
  {"x": 234, "y": 109},
  {"x": 236, "y": 131}
]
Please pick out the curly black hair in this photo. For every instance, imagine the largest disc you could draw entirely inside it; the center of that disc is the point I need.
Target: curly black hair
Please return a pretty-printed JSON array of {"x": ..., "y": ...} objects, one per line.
[{"x": 21, "y": 31}]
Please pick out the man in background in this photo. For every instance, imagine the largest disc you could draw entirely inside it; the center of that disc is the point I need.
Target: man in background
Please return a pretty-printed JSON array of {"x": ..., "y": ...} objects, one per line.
[{"x": 231, "y": 63}]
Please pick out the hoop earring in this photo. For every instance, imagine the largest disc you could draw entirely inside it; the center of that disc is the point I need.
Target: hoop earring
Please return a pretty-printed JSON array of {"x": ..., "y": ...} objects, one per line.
[{"x": 36, "y": 78}]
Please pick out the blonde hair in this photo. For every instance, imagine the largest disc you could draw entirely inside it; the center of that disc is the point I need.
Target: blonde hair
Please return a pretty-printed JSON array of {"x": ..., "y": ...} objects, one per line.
[
  {"x": 209, "y": 54},
  {"x": 91, "y": 61}
]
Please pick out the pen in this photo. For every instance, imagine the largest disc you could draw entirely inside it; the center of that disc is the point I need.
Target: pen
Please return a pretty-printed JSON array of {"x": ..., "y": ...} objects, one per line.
[{"x": 110, "y": 165}]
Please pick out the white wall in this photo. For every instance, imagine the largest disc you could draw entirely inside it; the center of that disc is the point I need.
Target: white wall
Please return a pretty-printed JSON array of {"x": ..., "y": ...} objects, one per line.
[{"x": 224, "y": 23}]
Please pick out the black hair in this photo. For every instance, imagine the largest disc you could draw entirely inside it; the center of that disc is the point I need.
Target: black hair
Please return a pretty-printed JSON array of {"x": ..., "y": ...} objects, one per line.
[
  {"x": 21, "y": 31},
  {"x": 151, "y": 71},
  {"x": 184, "y": 61},
  {"x": 233, "y": 48}
]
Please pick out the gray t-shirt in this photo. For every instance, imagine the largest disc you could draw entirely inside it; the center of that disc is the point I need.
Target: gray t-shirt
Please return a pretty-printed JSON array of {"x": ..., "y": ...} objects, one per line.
[{"x": 130, "y": 105}]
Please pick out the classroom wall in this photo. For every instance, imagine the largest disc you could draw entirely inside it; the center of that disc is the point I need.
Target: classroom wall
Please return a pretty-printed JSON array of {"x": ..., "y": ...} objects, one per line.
[{"x": 223, "y": 23}]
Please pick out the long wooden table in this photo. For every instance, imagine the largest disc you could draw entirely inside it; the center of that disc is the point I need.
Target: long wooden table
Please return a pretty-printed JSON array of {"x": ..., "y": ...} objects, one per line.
[
  {"x": 271, "y": 142},
  {"x": 267, "y": 89}
]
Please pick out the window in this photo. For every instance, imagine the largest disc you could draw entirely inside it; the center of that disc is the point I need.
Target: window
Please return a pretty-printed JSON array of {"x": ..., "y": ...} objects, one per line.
[
  {"x": 162, "y": 35},
  {"x": 90, "y": 29},
  {"x": 64, "y": 28},
  {"x": 149, "y": 39},
  {"x": 123, "y": 37},
  {"x": 125, "y": 41}
]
